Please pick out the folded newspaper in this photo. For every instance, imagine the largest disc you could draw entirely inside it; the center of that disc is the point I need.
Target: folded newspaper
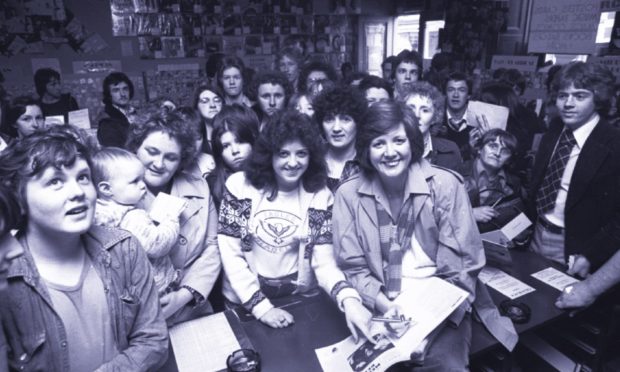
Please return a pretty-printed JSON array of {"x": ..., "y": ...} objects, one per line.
[{"x": 427, "y": 304}]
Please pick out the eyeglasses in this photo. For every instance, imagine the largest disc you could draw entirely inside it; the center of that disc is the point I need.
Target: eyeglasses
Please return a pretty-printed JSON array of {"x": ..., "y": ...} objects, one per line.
[
  {"x": 207, "y": 100},
  {"x": 317, "y": 81},
  {"x": 503, "y": 151}
]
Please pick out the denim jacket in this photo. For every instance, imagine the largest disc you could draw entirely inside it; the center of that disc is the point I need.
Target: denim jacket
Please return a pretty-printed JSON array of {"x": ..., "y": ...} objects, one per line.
[{"x": 35, "y": 334}]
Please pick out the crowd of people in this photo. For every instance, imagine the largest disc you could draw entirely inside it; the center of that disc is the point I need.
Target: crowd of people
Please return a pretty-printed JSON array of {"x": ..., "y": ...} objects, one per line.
[{"x": 292, "y": 179}]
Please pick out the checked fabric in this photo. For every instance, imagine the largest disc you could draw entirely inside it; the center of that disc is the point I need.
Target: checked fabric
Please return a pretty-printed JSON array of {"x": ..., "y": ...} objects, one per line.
[{"x": 548, "y": 192}]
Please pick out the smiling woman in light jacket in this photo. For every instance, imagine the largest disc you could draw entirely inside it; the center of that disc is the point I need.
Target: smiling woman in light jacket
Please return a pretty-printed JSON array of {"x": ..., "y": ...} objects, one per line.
[{"x": 400, "y": 194}]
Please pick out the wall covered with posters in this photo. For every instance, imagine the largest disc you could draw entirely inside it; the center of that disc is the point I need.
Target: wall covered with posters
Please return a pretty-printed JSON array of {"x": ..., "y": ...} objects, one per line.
[{"x": 152, "y": 40}]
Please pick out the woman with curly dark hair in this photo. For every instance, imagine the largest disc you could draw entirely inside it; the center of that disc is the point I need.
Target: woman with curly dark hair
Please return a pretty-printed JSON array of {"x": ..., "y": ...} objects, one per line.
[
  {"x": 274, "y": 228},
  {"x": 316, "y": 76},
  {"x": 234, "y": 135},
  {"x": 338, "y": 110},
  {"x": 166, "y": 147}
]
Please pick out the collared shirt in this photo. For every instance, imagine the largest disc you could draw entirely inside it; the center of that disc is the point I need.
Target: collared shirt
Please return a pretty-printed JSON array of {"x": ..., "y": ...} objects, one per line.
[
  {"x": 462, "y": 120},
  {"x": 581, "y": 134},
  {"x": 129, "y": 112},
  {"x": 490, "y": 189}
]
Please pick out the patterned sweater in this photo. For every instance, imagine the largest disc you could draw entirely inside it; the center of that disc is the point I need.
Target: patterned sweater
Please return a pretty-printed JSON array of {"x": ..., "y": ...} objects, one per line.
[{"x": 257, "y": 237}]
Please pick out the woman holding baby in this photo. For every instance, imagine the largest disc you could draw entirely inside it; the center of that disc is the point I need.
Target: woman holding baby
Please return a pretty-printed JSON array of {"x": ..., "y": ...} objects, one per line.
[{"x": 166, "y": 148}]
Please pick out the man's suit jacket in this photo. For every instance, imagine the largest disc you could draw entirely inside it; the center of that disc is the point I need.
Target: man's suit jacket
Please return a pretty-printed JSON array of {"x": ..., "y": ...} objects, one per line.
[{"x": 592, "y": 214}]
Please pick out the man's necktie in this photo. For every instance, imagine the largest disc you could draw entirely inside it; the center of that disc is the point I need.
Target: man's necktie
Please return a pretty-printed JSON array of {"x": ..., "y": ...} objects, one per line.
[
  {"x": 456, "y": 124},
  {"x": 548, "y": 192}
]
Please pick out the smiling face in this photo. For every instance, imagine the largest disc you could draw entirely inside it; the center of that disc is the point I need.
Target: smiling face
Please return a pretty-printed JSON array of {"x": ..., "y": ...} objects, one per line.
[
  {"x": 119, "y": 94},
  {"x": 289, "y": 67},
  {"x": 423, "y": 110},
  {"x": 234, "y": 153},
  {"x": 209, "y": 104},
  {"x": 30, "y": 121},
  {"x": 390, "y": 153},
  {"x": 127, "y": 185},
  {"x": 232, "y": 82},
  {"x": 271, "y": 98},
  {"x": 161, "y": 156},
  {"x": 289, "y": 164},
  {"x": 576, "y": 106},
  {"x": 340, "y": 131},
  {"x": 60, "y": 200}
]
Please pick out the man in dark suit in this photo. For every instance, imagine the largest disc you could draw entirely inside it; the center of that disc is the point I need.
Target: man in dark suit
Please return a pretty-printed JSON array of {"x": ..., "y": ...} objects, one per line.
[{"x": 575, "y": 186}]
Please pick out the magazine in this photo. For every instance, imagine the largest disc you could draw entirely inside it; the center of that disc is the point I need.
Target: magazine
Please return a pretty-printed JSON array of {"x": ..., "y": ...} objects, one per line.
[{"x": 427, "y": 305}]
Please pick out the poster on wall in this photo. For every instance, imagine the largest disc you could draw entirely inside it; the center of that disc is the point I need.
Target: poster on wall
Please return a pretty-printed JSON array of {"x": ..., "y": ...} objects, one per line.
[{"x": 567, "y": 27}]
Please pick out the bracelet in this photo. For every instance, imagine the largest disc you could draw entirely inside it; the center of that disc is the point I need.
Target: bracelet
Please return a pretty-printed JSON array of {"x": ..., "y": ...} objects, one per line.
[{"x": 197, "y": 297}]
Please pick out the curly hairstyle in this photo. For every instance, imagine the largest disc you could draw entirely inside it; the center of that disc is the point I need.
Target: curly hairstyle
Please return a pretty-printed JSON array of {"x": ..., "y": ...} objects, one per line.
[
  {"x": 59, "y": 146},
  {"x": 173, "y": 125},
  {"x": 407, "y": 56},
  {"x": 113, "y": 79},
  {"x": 339, "y": 100},
  {"x": 312, "y": 66},
  {"x": 16, "y": 109},
  {"x": 192, "y": 117},
  {"x": 381, "y": 118},
  {"x": 427, "y": 90},
  {"x": 43, "y": 76},
  {"x": 288, "y": 126},
  {"x": 595, "y": 78},
  {"x": 372, "y": 81},
  {"x": 270, "y": 77}
]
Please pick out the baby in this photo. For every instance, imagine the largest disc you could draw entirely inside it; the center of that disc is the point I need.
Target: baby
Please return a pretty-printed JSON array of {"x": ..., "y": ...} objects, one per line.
[{"x": 118, "y": 176}]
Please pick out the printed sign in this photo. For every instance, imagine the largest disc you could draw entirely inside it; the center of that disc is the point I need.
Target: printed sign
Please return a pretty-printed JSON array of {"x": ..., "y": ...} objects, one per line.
[
  {"x": 521, "y": 63},
  {"x": 564, "y": 27},
  {"x": 86, "y": 67},
  {"x": 611, "y": 62}
]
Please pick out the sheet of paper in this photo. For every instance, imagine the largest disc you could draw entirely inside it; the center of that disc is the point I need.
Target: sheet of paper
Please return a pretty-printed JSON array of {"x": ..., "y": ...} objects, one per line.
[
  {"x": 55, "y": 120},
  {"x": 497, "y": 116},
  {"x": 555, "y": 278},
  {"x": 203, "y": 344},
  {"x": 515, "y": 227},
  {"x": 428, "y": 303},
  {"x": 79, "y": 118},
  {"x": 166, "y": 206},
  {"x": 505, "y": 284},
  {"x": 496, "y": 237}
]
